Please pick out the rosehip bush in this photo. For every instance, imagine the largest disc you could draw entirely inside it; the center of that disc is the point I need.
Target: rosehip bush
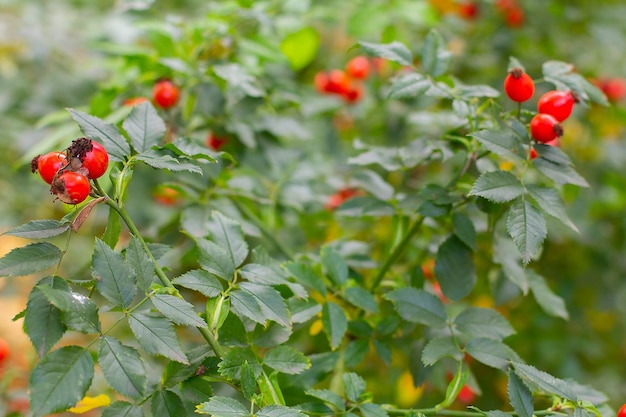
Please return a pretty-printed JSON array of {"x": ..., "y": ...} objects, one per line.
[{"x": 297, "y": 272}]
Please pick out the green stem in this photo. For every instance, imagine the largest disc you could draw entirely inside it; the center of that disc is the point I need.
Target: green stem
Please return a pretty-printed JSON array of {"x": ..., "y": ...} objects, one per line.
[
  {"x": 397, "y": 251},
  {"x": 208, "y": 336},
  {"x": 457, "y": 413}
]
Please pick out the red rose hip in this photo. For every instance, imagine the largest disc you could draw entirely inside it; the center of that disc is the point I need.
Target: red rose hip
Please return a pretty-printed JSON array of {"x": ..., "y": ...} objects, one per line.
[
  {"x": 165, "y": 94},
  {"x": 518, "y": 85},
  {"x": 558, "y": 104},
  {"x": 48, "y": 165},
  {"x": 71, "y": 187},
  {"x": 545, "y": 128},
  {"x": 358, "y": 67}
]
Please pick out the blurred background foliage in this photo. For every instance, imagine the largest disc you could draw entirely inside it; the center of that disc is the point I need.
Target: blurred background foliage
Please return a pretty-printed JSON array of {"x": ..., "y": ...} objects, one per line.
[{"x": 93, "y": 55}]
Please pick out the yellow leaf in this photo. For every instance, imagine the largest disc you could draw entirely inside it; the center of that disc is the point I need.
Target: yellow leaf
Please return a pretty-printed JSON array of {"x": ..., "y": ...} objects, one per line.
[{"x": 89, "y": 403}]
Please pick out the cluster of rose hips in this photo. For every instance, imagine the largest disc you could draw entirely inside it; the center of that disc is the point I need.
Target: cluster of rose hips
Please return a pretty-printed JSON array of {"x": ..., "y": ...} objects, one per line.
[
  {"x": 68, "y": 172},
  {"x": 345, "y": 83},
  {"x": 552, "y": 108}
]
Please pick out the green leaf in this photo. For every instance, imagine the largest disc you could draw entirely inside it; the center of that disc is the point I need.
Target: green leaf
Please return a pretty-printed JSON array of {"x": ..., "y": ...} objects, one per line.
[
  {"x": 496, "y": 413},
  {"x": 520, "y": 396},
  {"x": 116, "y": 145},
  {"x": 559, "y": 173},
  {"x": 483, "y": 322},
  {"x": 361, "y": 298},
  {"x": 303, "y": 310},
  {"x": 454, "y": 387},
  {"x": 454, "y": 268},
  {"x": 167, "y": 403},
  {"x": 215, "y": 259},
  {"x": 440, "y": 347},
  {"x": 550, "y": 202},
  {"x": 306, "y": 275},
  {"x": 272, "y": 276},
  {"x": 29, "y": 259},
  {"x": 223, "y": 407},
  {"x": 287, "y": 360},
  {"x": 60, "y": 380},
  {"x": 176, "y": 372},
  {"x": 435, "y": 57},
  {"x": 498, "y": 186},
  {"x": 114, "y": 278},
  {"x": 418, "y": 306},
  {"x": 501, "y": 142},
  {"x": 279, "y": 411},
  {"x": 248, "y": 381},
  {"x": 122, "y": 409},
  {"x": 244, "y": 304},
  {"x": 201, "y": 281},
  {"x": 540, "y": 380},
  {"x": 42, "y": 320},
  {"x": 394, "y": 51},
  {"x": 144, "y": 127},
  {"x": 78, "y": 312},
  {"x": 545, "y": 297},
  {"x": 157, "y": 336},
  {"x": 528, "y": 229},
  {"x": 372, "y": 410},
  {"x": 228, "y": 234},
  {"x": 464, "y": 229},
  {"x": 196, "y": 389},
  {"x": 39, "y": 229},
  {"x": 140, "y": 263},
  {"x": 334, "y": 265},
  {"x": 362, "y": 206},
  {"x": 300, "y": 47},
  {"x": 335, "y": 323},
  {"x": 177, "y": 310},
  {"x": 233, "y": 361},
  {"x": 353, "y": 385},
  {"x": 328, "y": 397},
  {"x": 240, "y": 83},
  {"x": 505, "y": 253},
  {"x": 475, "y": 91},
  {"x": 491, "y": 352},
  {"x": 113, "y": 229},
  {"x": 159, "y": 160},
  {"x": 272, "y": 304},
  {"x": 122, "y": 367},
  {"x": 408, "y": 85}
]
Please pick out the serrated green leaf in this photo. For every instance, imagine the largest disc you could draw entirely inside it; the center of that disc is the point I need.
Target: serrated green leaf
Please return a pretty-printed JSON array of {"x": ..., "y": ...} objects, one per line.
[
  {"x": 228, "y": 234},
  {"x": 140, "y": 263},
  {"x": 271, "y": 276},
  {"x": 177, "y": 310},
  {"x": 559, "y": 173},
  {"x": 408, "y": 86},
  {"x": 287, "y": 360},
  {"x": 545, "y": 297},
  {"x": 550, "y": 202},
  {"x": 498, "y": 186},
  {"x": 361, "y": 298},
  {"x": 233, "y": 361},
  {"x": 114, "y": 278},
  {"x": 506, "y": 254},
  {"x": 122, "y": 409},
  {"x": 244, "y": 304},
  {"x": 464, "y": 229},
  {"x": 39, "y": 229},
  {"x": 223, "y": 407},
  {"x": 116, "y": 145},
  {"x": 394, "y": 51},
  {"x": 78, "y": 312},
  {"x": 306, "y": 275},
  {"x": 372, "y": 410},
  {"x": 501, "y": 142},
  {"x": 144, "y": 127},
  {"x": 483, "y": 322},
  {"x": 42, "y": 320},
  {"x": 201, "y": 281},
  {"x": 334, "y": 265},
  {"x": 435, "y": 57},
  {"x": 418, "y": 306},
  {"x": 491, "y": 352},
  {"x": 328, "y": 397},
  {"x": 195, "y": 390},
  {"x": 167, "y": 403},
  {"x": 353, "y": 385},
  {"x": 272, "y": 304},
  {"x": 247, "y": 381},
  {"x": 496, "y": 413},
  {"x": 60, "y": 380},
  {"x": 454, "y": 268},
  {"x": 215, "y": 259},
  {"x": 553, "y": 68},
  {"x": 279, "y": 411},
  {"x": 176, "y": 372},
  {"x": 29, "y": 259},
  {"x": 476, "y": 91},
  {"x": 157, "y": 336},
  {"x": 528, "y": 229},
  {"x": 240, "y": 83},
  {"x": 122, "y": 367},
  {"x": 113, "y": 229},
  {"x": 540, "y": 380},
  {"x": 520, "y": 396},
  {"x": 159, "y": 160},
  {"x": 335, "y": 323},
  {"x": 300, "y": 47},
  {"x": 440, "y": 347}
]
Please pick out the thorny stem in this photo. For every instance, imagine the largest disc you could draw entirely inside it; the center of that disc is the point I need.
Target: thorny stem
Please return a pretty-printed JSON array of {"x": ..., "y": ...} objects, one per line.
[{"x": 208, "y": 336}]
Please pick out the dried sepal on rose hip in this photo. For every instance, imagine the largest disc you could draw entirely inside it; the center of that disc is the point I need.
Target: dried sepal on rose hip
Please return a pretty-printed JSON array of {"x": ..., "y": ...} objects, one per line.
[{"x": 71, "y": 187}]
